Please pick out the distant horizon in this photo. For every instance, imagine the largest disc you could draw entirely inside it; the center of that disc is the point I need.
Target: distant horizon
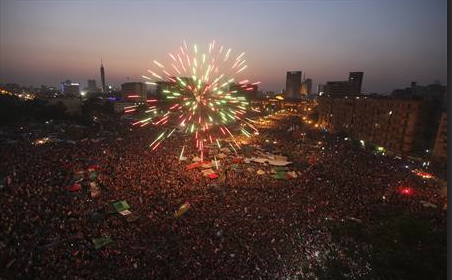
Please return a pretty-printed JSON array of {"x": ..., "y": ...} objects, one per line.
[{"x": 392, "y": 42}]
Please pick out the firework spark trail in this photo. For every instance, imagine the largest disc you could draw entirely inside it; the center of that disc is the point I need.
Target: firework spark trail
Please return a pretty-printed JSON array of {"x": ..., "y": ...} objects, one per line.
[{"x": 197, "y": 94}]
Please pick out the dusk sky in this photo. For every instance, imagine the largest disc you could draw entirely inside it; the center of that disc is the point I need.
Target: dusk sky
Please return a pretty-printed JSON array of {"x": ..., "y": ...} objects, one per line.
[{"x": 393, "y": 42}]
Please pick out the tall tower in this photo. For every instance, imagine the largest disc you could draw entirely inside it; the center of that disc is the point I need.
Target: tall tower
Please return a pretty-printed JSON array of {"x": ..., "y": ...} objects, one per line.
[{"x": 102, "y": 76}]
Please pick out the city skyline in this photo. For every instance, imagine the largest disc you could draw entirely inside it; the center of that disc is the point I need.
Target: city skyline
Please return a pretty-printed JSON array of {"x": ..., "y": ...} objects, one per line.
[{"x": 393, "y": 43}]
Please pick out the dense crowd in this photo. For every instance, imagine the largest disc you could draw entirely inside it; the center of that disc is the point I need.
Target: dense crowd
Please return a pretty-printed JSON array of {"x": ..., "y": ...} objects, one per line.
[{"x": 239, "y": 226}]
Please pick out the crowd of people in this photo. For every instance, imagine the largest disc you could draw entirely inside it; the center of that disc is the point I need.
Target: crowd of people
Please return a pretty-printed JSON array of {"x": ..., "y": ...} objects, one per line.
[{"x": 241, "y": 225}]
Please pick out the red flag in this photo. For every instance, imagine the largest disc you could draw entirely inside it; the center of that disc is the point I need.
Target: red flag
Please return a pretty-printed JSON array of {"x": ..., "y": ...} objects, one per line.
[{"x": 75, "y": 187}]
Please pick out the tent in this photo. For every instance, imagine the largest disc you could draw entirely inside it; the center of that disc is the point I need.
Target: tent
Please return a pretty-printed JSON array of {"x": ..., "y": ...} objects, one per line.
[
  {"x": 259, "y": 160},
  {"x": 121, "y": 205},
  {"x": 279, "y": 162},
  {"x": 281, "y": 158},
  {"x": 279, "y": 176}
]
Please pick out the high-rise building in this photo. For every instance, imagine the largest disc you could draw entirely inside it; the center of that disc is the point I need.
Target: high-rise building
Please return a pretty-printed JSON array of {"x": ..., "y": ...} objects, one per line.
[
  {"x": 345, "y": 88},
  {"x": 92, "y": 87},
  {"x": 306, "y": 87},
  {"x": 70, "y": 88},
  {"x": 337, "y": 88},
  {"x": 356, "y": 81},
  {"x": 321, "y": 89},
  {"x": 293, "y": 85},
  {"x": 102, "y": 77},
  {"x": 134, "y": 91}
]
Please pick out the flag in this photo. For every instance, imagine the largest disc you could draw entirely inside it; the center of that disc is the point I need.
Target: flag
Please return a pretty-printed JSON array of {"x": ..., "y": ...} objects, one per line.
[
  {"x": 92, "y": 176},
  {"x": 93, "y": 167},
  {"x": 101, "y": 242},
  {"x": 75, "y": 188},
  {"x": 279, "y": 176},
  {"x": 121, "y": 205},
  {"x": 212, "y": 176},
  {"x": 182, "y": 209},
  {"x": 194, "y": 165}
]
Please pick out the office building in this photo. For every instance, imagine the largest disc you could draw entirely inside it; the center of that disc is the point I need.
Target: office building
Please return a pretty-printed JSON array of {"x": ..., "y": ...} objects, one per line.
[
  {"x": 92, "y": 87},
  {"x": 306, "y": 87},
  {"x": 352, "y": 87},
  {"x": 249, "y": 91},
  {"x": 320, "y": 89},
  {"x": 134, "y": 91},
  {"x": 337, "y": 88},
  {"x": 356, "y": 81},
  {"x": 293, "y": 85},
  {"x": 69, "y": 88},
  {"x": 398, "y": 125}
]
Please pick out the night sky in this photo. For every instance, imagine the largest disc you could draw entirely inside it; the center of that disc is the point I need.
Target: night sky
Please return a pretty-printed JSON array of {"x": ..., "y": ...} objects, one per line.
[{"x": 393, "y": 42}]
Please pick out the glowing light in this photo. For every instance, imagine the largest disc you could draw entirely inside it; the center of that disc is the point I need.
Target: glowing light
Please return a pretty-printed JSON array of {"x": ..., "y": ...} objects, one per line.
[{"x": 406, "y": 191}]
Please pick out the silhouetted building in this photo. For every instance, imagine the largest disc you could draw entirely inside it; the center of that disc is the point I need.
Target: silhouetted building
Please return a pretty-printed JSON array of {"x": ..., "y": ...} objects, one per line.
[
  {"x": 249, "y": 91},
  {"x": 134, "y": 91},
  {"x": 321, "y": 89},
  {"x": 306, "y": 87},
  {"x": 356, "y": 81},
  {"x": 102, "y": 77},
  {"x": 293, "y": 85},
  {"x": 69, "y": 88},
  {"x": 352, "y": 87},
  {"x": 399, "y": 125},
  {"x": 92, "y": 87},
  {"x": 337, "y": 88}
]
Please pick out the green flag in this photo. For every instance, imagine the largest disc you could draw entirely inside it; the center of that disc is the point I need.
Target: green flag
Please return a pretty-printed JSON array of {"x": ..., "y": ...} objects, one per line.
[
  {"x": 101, "y": 242},
  {"x": 280, "y": 168},
  {"x": 121, "y": 205},
  {"x": 279, "y": 176}
]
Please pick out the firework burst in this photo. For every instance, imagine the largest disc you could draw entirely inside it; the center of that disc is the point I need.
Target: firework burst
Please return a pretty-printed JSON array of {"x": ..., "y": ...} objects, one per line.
[{"x": 199, "y": 96}]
